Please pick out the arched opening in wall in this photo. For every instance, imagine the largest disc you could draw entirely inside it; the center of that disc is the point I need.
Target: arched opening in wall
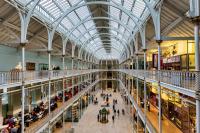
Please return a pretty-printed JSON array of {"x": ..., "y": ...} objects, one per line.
[
  {"x": 150, "y": 44},
  {"x": 109, "y": 85},
  {"x": 9, "y": 35},
  {"x": 76, "y": 51},
  {"x": 69, "y": 48}
]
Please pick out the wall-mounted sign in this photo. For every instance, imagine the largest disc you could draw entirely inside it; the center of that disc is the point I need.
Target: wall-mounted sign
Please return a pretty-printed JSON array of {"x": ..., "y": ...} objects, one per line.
[{"x": 174, "y": 59}]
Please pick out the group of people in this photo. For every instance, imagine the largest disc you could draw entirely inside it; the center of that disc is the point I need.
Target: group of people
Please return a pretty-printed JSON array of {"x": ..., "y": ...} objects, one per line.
[
  {"x": 14, "y": 125},
  {"x": 41, "y": 110},
  {"x": 94, "y": 101},
  {"x": 116, "y": 111}
]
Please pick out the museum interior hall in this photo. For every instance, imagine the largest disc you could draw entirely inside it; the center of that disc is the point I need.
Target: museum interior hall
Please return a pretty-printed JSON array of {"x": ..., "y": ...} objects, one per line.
[{"x": 99, "y": 66}]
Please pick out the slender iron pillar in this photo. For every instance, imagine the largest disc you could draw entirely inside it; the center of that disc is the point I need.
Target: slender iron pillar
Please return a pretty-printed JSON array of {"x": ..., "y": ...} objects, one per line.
[
  {"x": 197, "y": 68},
  {"x": 49, "y": 89},
  {"x": 23, "y": 84},
  {"x": 145, "y": 92},
  {"x": 159, "y": 87}
]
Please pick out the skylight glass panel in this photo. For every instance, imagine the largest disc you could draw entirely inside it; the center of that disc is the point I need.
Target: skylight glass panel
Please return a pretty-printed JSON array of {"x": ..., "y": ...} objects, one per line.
[
  {"x": 145, "y": 14},
  {"x": 74, "y": 18},
  {"x": 114, "y": 12},
  {"x": 121, "y": 28},
  {"x": 115, "y": 44},
  {"x": 50, "y": 7},
  {"x": 94, "y": 46},
  {"x": 92, "y": 41},
  {"x": 97, "y": 46},
  {"x": 101, "y": 52},
  {"x": 27, "y": 3},
  {"x": 82, "y": 29},
  {"x": 63, "y": 4},
  {"x": 97, "y": 40},
  {"x": 83, "y": 12},
  {"x": 124, "y": 17},
  {"x": 126, "y": 33},
  {"x": 113, "y": 32},
  {"x": 43, "y": 14},
  {"x": 76, "y": 33},
  {"x": 131, "y": 23},
  {"x": 67, "y": 23},
  {"x": 83, "y": 39},
  {"x": 114, "y": 24},
  {"x": 138, "y": 8},
  {"x": 89, "y": 24},
  {"x": 51, "y": 10},
  {"x": 24, "y": 2},
  {"x": 92, "y": 32},
  {"x": 120, "y": 36},
  {"x": 119, "y": 2},
  {"x": 75, "y": 2},
  {"x": 95, "y": 33},
  {"x": 87, "y": 35},
  {"x": 128, "y": 4}
]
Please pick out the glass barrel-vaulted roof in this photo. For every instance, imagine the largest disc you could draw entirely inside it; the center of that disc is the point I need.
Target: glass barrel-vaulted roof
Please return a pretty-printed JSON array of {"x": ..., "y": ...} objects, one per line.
[{"x": 110, "y": 39}]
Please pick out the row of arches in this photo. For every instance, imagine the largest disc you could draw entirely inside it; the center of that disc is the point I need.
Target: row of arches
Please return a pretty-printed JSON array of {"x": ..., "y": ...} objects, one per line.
[{"x": 155, "y": 13}]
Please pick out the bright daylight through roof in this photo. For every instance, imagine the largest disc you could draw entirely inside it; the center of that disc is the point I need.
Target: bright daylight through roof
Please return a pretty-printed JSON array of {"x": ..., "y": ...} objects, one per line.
[{"x": 99, "y": 66}]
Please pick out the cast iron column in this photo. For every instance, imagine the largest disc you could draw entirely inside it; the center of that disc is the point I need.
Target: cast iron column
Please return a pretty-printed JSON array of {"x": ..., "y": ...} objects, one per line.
[
  {"x": 159, "y": 87},
  {"x": 23, "y": 84}
]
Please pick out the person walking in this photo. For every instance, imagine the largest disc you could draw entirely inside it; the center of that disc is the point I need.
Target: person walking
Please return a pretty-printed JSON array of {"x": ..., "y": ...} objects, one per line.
[
  {"x": 92, "y": 99},
  {"x": 118, "y": 112},
  {"x": 113, "y": 107},
  {"x": 98, "y": 117},
  {"x": 115, "y": 112},
  {"x": 113, "y": 118},
  {"x": 123, "y": 112}
]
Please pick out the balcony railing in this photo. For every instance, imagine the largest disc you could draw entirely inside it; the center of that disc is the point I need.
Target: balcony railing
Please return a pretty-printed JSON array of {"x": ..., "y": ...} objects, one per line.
[
  {"x": 58, "y": 111},
  {"x": 185, "y": 79},
  {"x": 16, "y": 77}
]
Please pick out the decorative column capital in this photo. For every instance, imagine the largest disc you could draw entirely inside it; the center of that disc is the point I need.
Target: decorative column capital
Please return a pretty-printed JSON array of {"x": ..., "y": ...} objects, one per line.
[
  {"x": 23, "y": 44},
  {"x": 144, "y": 50},
  {"x": 159, "y": 41},
  {"x": 49, "y": 51},
  {"x": 195, "y": 20}
]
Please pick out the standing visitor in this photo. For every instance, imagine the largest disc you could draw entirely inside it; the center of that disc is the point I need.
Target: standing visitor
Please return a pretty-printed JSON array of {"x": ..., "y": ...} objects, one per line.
[
  {"x": 123, "y": 112},
  {"x": 118, "y": 112},
  {"x": 115, "y": 112},
  {"x": 113, "y": 107},
  {"x": 98, "y": 117},
  {"x": 113, "y": 118},
  {"x": 92, "y": 98}
]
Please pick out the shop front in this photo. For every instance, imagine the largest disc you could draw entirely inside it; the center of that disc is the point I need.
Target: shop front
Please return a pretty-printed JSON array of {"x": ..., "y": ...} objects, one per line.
[
  {"x": 176, "y": 107},
  {"x": 176, "y": 55}
]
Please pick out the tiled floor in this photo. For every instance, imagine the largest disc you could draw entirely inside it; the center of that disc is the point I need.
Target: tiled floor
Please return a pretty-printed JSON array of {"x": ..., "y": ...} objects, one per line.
[{"x": 89, "y": 124}]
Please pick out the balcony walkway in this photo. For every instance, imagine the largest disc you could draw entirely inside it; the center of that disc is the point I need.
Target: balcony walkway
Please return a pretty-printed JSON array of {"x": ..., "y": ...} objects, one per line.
[
  {"x": 167, "y": 125},
  {"x": 89, "y": 124}
]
